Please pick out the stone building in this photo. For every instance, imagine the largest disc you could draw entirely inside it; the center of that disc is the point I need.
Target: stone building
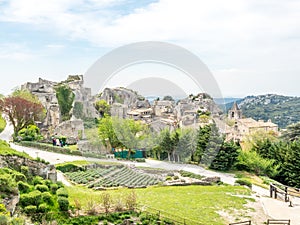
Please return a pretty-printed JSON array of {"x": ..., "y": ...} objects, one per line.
[
  {"x": 246, "y": 126},
  {"x": 235, "y": 112}
]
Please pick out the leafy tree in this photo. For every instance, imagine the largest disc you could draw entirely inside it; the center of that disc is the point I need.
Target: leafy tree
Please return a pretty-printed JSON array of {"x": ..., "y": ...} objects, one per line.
[
  {"x": 102, "y": 108},
  {"x": 252, "y": 162},
  {"x": 168, "y": 98},
  {"x": 226, "y": 157},
  {"x": 167, "y": 144},
  {"x": 292, "y": 132},
  {"x": 202, "y": 141},
  {"x": 21, "y": 112},
  {"x": 290, "y": 170},
  {"x": 213, "y": 145},
  {"x": 65, "y": 98},
  {"x": 129, "y": 132},
  {"x": 107, "y": 133},
  {"x": 186, "y": 146}
]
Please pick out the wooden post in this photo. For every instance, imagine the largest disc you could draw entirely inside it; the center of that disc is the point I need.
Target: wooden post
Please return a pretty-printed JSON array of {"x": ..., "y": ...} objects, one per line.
[
  {"x": 275, "y": 195},
  {"x": 271, "y": 191},
  {"x": 286, "y": 194}
]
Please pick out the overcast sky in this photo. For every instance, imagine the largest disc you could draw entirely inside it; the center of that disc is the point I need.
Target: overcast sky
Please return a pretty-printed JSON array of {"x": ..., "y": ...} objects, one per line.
[{"x": 250, "y": 46}]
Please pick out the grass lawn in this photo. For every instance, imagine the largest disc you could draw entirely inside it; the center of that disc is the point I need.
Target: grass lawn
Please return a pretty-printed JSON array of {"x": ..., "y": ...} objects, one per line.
[{"x": 197, "y": 203}]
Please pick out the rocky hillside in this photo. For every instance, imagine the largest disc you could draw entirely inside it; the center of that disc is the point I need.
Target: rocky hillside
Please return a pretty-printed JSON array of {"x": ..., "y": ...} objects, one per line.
[{"x": 282, "y": 110}]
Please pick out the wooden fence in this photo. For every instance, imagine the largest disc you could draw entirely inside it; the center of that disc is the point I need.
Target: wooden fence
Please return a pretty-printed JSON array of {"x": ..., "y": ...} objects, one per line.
[
  {"x": 281, "y": 222},
  {"x": 284, "y": 192},
  {"x": 242, "y": 223}
]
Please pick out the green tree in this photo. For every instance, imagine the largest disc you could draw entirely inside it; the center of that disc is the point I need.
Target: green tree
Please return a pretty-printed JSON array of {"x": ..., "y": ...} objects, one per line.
[
  {"x": 166, "y": 143},
  {"x": 202, "y": 141},
  {"x": 107, "y": 133},
  {"x": 102, "y": 108},
  {"x": 65, "y": 98},
  {"x": 186, "y": 146},
  {"x": 214, "y": 143},
  {"x": 292, "y": 132},
  {"x": 290, "y": 170},
  {"x": 129, "y": 132},
  {"x": 226, "y": 157}
]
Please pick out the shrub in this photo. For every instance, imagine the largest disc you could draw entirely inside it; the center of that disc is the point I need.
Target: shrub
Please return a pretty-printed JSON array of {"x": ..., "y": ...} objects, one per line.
[
  {"x": 62, "y": 193},
  {"x": 168, "y": 178},
  {"x": 37, "y": 180},
  {"x": 4, "y": 220},
  {"x": 69, "y": 167},
  {"x": 31, "y": 209},
  {"x": 131, "y": 200},
  {"x": 244, "y": 182},
  {"x": 63, "y": 203},
  {"x": 43, "y": 208},
  {"x": 7, "y": 184},
  {"x": 53, "y": 188},
  {"x": 33, "y": 198},
  {"x": 42, "y": 187},
  {"x": 47, "y": 198},
  {"x": 25, "y": 170},
  {"x": 252, "y": 162},
  {"x": 24, "y": 187},
  {"x": 19, "y": 176},
  {"x": 106, "y": 201}
]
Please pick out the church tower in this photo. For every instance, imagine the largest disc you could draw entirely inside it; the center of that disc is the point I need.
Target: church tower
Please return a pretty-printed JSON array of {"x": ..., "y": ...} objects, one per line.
[{"x": 235, "y": 113}]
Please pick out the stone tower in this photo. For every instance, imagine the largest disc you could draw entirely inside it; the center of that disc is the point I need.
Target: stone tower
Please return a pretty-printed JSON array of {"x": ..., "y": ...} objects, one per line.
[{"x": 235, "y": 113}]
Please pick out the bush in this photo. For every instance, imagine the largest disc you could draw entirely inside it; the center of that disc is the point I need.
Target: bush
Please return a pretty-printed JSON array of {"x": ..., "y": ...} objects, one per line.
[
  {"x": 7, "y": 183},
  {"x": 63, "y": 203},
  {"x": 50, "y": 148},
  {"x": 25, "y": 170},
  {"x": 2, "y": 123},
  {"x": 33, "y": 198},
  {"x": 4, "y": 220},
  {"x": 53, "y": 188},
  {"x": 31, "y": 209},
  {"x": 43, "y": 208},
  {"x": 24, "y": 187},
  {"x": 68, "y": 167},
  {"x": 30, "y": 133},
  {"x": 244, "y": 182},
  {"x": 42, "y": 187},
  {"x": 47, "y": 198},
  {"x": 62, "y": 193},
  {"x": 252, "y": 162},
  {"x": 168, "y": 178},
  {"x": 37, "y": 180},
  {"x": 131, "y": 201}
]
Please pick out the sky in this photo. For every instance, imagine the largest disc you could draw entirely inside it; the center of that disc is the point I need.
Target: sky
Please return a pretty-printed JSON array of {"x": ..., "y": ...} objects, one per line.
[{"x": 251, "y": 46}]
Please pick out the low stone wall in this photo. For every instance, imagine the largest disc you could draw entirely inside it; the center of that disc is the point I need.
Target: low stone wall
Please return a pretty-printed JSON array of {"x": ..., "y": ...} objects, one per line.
[{"x": 35, "y": 168}]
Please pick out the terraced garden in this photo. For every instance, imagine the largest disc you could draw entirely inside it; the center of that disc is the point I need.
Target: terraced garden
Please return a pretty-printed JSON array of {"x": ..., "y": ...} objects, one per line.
[{"x": 112, "y": 176}]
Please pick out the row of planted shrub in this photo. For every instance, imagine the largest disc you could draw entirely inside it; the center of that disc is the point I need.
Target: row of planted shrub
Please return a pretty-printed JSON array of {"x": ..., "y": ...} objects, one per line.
[{"x": 50, "y": 148}]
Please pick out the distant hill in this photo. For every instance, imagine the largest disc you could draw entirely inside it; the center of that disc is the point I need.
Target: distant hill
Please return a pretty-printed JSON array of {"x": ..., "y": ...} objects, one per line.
[
  {"x": 282, "y": 110},
  {"x": 221, "y": 101}
]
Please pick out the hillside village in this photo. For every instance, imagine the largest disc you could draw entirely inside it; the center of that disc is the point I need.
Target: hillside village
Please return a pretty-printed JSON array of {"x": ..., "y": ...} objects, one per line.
[
  {"x": 193, "y": 132},
  {"x": 190, "y": 112}
]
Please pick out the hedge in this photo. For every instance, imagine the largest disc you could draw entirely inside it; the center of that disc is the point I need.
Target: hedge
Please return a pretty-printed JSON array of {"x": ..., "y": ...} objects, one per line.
[{"x": 50, "y": 148}]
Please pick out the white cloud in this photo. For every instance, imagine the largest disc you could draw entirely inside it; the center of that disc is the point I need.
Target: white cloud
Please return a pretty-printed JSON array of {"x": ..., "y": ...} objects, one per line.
[
  {"x": 12, "y": 51},
  {"x": 256, "y": 35}
]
